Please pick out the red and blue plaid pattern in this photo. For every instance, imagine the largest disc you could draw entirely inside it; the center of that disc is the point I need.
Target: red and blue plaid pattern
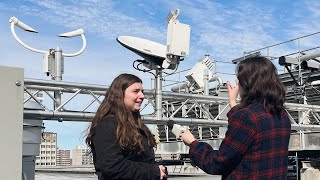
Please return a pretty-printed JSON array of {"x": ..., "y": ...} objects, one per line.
[{"x": 255, "y": 146}]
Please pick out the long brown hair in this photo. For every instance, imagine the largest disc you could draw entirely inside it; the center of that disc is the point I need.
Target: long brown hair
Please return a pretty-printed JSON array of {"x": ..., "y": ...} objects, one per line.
[
  {"x": 128, "y": 135},
  {"x": 259, "y": 82}
]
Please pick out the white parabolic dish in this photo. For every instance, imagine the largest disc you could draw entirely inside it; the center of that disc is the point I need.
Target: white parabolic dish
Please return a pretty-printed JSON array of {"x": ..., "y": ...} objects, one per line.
[{"x": 149, "y": 50}]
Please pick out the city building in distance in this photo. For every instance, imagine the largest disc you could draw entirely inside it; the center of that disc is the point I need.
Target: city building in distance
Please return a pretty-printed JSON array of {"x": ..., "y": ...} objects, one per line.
[
  {"x": 81, "y": 155},
  {"x": 48, "y": 150},
  {"x": 63, "y": 157}
]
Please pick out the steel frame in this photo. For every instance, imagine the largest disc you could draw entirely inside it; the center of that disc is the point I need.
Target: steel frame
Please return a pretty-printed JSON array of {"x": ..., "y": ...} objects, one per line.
[{"x": 96, "y": 92}]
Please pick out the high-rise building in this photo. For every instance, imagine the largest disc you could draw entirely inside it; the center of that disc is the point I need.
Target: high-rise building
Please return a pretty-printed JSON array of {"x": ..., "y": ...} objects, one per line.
[
  {"x": 48, "y": 150},
  {"x": 81, "y": 156},
  {"x": 63, "y": 157}
]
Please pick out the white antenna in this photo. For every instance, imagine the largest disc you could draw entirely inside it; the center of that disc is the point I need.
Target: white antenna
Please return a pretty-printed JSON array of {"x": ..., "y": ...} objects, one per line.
[
  {"x": 53, "y": 58},
  {"x": 178, "y": 41}
]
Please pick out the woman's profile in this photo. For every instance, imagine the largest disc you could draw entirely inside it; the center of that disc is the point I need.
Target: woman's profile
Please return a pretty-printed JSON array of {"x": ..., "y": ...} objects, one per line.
[{"x": 122, "y": 145}]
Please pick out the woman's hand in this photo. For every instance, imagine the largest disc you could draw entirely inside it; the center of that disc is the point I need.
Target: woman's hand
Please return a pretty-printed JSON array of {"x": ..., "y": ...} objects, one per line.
[
  {"x": 162, "y": 172},
  {"x": 187, "y": 137},
  {"x": 233, "y": 93}
]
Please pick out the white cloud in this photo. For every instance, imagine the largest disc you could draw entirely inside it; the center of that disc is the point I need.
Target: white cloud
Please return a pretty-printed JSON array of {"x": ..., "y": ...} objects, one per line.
[
  {"x": 313, "y": 6},
  {"x": 97, "y": 17},
  {"x": 231, "y": 32}
]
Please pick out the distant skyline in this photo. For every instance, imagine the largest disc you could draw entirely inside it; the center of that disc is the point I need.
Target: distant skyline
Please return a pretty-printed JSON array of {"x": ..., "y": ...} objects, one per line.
[{"x": 224, "y": 29}]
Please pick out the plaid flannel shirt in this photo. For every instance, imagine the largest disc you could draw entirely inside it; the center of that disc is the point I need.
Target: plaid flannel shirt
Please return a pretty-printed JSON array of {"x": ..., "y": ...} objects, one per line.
[{"x": 255, "y": 146}]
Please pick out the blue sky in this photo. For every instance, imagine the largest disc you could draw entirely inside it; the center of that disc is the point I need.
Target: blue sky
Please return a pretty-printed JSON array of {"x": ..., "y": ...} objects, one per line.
[{"x": 224, "y": 29}]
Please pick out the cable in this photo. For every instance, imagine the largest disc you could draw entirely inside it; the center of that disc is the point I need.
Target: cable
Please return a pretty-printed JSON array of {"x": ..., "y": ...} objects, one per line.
[
  {"x": 313, "y": 87},
  {"x": 174, "y": 70},
  {"x": 139, "y": 61}
]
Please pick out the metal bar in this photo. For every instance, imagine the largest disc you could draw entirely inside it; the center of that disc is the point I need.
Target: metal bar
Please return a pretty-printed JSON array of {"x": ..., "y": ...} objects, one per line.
[
  {"x": 35, "y": 93},
  {"x": 94, "y": 96},
  {"x": 166, "y": 95},
  {"x": 33, "y": 97},
  {"x": 198, "y": 115},
  {"x": 158, "y": 88},
  {"x": 316, "y": 116},
  {"x": 183, "y": 96},
  {"x": 297, "y": 166},
  {"x": 188, "y": 110},
  {"x": 305, "y": 115},
  {"x": 216, "y": 118},
  {"x": 86, "y": 117},
  {"x": 48, "y": 88},
  {"x": 302, "y": 107},
  {"x": 28, "y": 81},
  {"x": 63, "y": 89},
  {"x": 166, "y": 75},
  {"x": 89, "y": 104},
  {"x": 166, "y": 110},
  {"x": 205, "y": 111},
  {"x": 53, "y": 98},
  {"x": 291, "y": 118},
  {"x": 144, "y": 106},
  {"x": 167, "y": 133},
  {"x": 177, "y": 82},
  {"x": 217, "y": 134},
  {"x": 149, "y": 99},
  {"x": 289, "y": 71},
  {"x": 295, "y": 53},
  {"x": 175, "y": 112},
  {"x": 284, "y": 42},
  {"x": 58, "y": 115},
  {"x": 68, "y": 100}
]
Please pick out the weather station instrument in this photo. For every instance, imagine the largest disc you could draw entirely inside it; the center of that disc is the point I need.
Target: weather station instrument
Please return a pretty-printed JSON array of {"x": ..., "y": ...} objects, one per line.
[
  {"x": 53, "y": 59},
  {"x": 157, "y": 56}
]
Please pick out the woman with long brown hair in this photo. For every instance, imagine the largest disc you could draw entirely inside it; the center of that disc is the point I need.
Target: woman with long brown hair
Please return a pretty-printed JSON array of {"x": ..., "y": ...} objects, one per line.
[
  {"x": 122, "y": 145},
  {"x": 256, "y": 142}
]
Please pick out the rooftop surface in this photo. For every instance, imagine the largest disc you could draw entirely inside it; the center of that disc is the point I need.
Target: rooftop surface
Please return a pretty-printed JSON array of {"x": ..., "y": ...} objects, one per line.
[{"x": 91, "y": 176}]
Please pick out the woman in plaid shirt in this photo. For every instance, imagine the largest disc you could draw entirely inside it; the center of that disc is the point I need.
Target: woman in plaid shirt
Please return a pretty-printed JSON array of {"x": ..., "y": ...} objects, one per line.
[{"x": 256, "y": 142}]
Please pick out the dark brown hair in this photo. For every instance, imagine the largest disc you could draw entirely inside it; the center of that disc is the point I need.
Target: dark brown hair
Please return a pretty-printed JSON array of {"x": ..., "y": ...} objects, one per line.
[
  {"x": 259, "y": 82},
  {"x": 128, "y": 135}
]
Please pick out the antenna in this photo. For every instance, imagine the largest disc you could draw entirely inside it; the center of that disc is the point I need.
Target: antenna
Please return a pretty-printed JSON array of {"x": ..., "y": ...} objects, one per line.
[
  {"x": 53, "y": 59},
  {"x": 158, "y": 56},
  {"x": 178, "y": 40}
]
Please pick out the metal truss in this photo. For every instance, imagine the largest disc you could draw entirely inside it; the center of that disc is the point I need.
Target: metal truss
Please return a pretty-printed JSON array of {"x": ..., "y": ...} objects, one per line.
[{"x": 183, "y": 108}]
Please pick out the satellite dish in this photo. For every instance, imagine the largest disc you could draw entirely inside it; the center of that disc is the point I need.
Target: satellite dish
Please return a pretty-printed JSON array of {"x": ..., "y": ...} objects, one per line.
[{"x": 149, "y": 50}]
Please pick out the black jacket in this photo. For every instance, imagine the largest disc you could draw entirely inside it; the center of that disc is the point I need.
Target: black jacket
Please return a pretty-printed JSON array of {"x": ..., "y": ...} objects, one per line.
[{"x": 111, "y": 162}]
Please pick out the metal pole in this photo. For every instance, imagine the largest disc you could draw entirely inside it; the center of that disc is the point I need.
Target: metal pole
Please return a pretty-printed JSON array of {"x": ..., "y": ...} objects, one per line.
[
  {"x": 158, "y": 87},
  {"x": 87, "y": 117},
  {"x": 297, "y": 166},
  {"x": 206, "y": 82},
  {"x": 58, "y": 75},
  {"x": 64, "y": 84}
]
